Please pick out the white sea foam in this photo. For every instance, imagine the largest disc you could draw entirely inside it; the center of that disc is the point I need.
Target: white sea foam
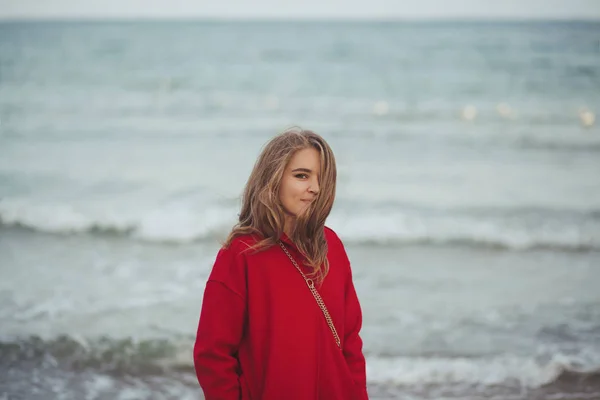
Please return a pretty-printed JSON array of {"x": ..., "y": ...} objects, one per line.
[
  {"x": 502, "y": 370},
  {"x": 183, "y": 223}
]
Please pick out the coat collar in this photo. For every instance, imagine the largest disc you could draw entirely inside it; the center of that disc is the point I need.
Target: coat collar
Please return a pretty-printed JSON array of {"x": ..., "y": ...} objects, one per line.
[{"x": 286, "y": 240}]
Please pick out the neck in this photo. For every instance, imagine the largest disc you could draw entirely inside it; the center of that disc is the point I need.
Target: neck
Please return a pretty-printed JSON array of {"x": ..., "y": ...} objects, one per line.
[{"x": 289, "y": 225}]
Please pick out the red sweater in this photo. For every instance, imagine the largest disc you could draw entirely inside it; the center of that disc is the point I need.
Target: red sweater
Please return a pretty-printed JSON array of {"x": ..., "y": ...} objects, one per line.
[{"x": 262, "y": 336}]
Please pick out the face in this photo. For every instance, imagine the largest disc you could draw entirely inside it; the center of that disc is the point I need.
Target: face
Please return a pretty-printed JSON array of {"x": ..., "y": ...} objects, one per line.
[{"x": 300, "y": 181}]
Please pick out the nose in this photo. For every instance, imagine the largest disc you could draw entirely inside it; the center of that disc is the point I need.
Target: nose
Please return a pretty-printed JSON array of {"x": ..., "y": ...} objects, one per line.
[{"x": 314, "y": 186}]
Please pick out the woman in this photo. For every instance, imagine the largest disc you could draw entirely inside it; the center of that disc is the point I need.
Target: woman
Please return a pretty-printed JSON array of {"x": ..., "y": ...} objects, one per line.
[{"x": 280, "y": 318}]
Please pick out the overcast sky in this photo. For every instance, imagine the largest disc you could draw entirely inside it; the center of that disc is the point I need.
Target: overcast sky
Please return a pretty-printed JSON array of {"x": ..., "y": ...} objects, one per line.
[{"x": 563, "y": 9}]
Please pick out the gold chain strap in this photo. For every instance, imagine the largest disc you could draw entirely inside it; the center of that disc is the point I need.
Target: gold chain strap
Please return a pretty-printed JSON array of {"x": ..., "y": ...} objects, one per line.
[{"x": 317, "y": 296}]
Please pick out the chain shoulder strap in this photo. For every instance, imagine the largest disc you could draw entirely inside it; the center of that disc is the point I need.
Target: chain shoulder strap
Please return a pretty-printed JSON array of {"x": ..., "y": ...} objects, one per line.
[{"x": 311, "y": 285}]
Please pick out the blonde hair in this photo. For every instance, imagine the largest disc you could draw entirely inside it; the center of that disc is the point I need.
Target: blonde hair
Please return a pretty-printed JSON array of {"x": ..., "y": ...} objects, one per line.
[{"x": 262, "y": 213}]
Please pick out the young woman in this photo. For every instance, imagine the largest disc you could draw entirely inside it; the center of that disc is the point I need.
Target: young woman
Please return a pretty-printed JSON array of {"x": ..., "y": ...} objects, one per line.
[{"x": 280, "y": 318}]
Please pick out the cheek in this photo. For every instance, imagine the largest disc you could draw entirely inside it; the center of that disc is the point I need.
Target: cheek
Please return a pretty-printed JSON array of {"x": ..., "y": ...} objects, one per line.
[
  {"x": 290, "y": 192},
  {"x": 286, "y": 193},
  {"x": 296, "y": 189}
]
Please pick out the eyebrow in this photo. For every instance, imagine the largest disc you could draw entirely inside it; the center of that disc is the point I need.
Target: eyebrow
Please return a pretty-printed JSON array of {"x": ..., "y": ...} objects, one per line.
[{"x": 302, "y": 170}]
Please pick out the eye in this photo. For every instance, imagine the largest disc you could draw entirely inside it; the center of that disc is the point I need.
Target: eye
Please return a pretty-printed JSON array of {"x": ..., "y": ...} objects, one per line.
[{"x": 301, "y": 176}]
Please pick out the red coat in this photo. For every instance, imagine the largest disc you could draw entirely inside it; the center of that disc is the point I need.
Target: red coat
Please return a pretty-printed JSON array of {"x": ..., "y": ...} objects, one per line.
[{"x": 262, "y": 336}]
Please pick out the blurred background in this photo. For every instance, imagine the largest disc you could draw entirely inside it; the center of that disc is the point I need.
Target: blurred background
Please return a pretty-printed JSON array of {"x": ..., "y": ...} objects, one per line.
[{"x": 468, "y": 192}]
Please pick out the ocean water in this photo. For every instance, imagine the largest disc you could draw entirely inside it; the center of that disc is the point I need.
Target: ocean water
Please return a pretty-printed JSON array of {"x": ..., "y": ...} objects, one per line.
[{"x": 468, "y": 196}]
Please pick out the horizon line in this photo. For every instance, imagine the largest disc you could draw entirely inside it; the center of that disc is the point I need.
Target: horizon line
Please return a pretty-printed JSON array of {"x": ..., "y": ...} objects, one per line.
[{"x": 282, "y": 18}]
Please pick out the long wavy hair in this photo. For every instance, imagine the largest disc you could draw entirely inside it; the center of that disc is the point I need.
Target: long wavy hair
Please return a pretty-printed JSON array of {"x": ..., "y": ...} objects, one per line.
[{"x": 262, "y": 213}]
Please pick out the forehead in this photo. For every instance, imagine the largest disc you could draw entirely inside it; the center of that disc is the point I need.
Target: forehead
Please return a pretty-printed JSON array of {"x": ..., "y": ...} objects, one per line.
[{"x": 306, "y": 158}]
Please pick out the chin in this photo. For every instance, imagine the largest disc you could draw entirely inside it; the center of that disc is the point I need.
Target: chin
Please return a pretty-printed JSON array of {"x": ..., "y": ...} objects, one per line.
[{"x": 303, "y": 210}]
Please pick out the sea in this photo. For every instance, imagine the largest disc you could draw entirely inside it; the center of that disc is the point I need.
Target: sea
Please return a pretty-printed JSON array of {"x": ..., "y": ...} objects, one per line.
[{"x": 468, "y": 196}]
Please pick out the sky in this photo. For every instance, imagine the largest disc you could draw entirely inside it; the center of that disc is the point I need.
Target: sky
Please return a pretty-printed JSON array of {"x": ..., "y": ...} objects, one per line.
[{"x": 354, "y": 9}]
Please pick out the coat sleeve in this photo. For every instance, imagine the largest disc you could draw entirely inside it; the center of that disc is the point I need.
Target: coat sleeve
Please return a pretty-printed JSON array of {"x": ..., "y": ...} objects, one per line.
[
  {"x": 221, "y": 327},
  {"x": 353, "y": 343}
]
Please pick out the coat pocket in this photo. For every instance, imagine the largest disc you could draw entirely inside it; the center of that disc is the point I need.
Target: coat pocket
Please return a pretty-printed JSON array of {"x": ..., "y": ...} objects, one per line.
[
  {"x": 352, "y": 390},
  {"x": 244, "y": 389}
]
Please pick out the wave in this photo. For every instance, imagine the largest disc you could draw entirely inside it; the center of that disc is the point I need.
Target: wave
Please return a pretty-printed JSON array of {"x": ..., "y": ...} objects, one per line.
[
  {"x": 511, "y": 230},
  {"x": 505, "y": 370},
  {"x": 105, "y": 355},
  {"x": 163, "y": 356},
  {"x": 168, "y": 225}
]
